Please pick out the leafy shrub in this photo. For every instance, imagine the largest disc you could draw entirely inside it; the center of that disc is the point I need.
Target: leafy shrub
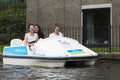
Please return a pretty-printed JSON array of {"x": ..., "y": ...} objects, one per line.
[{"x": 12, "y": 20}]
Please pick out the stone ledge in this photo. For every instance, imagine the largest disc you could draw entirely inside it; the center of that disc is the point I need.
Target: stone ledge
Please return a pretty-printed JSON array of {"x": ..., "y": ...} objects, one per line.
[{"x": 109, "y": 56}]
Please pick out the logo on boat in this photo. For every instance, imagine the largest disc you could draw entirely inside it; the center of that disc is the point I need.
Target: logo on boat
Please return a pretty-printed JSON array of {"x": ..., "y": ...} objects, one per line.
[
  {"x": 76, "y": 51},
  {"x": 63, "y": 42},
  {"x": 18, "y": 50}
]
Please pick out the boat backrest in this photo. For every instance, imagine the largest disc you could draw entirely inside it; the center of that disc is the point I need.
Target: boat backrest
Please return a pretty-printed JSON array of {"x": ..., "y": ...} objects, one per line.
[
  {"x": 16, "y": 50},
  {"x": 16, "y": 42}
]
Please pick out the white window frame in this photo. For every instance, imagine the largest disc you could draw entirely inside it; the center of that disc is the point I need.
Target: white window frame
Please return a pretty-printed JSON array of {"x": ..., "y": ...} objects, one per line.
[{"x": 97, "y": 6}]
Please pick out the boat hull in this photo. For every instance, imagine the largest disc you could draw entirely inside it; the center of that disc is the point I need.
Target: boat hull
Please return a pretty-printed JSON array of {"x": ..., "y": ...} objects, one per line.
[
  {"x": 33, "y": 62},
  {"x": 45, "y": 61}
]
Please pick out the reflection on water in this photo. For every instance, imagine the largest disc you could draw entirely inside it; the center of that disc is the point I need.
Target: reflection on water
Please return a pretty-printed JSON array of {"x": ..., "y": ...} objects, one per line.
[{"x": 103, "y": 70}]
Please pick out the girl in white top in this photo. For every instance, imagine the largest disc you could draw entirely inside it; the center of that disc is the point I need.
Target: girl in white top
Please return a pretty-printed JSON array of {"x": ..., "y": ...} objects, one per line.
[
  {"x": 56, "y": 35},
  {"x": 56, "y": 32},
  {"x": 30, "y": 37}
]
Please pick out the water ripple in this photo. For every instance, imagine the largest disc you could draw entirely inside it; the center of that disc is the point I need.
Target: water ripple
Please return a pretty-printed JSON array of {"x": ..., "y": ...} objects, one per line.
[{"x": 103, "y": 70}]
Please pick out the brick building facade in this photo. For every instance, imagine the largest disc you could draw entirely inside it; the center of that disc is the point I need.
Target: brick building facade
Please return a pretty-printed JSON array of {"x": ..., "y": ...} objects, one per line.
[{"x": 85, "y": 16}]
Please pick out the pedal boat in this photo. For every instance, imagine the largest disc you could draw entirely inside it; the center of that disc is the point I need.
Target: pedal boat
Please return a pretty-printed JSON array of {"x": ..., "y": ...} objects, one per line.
[{"x": 48, "y": 52}]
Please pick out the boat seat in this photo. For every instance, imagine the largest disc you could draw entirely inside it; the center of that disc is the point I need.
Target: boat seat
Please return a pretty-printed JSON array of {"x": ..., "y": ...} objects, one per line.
[{"x": 16, "y": 42}]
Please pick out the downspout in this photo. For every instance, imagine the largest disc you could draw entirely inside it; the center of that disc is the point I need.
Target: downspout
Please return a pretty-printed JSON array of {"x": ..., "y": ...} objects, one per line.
[
  {"x": 64, "y": 13},
  {"x": 38, "y": 12}
]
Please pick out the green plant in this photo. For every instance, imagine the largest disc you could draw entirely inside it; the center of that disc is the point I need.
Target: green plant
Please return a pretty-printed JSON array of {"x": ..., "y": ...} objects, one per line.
[
  {"x": 12, "y": 20},
  {"x": 106, "y": 49},
  {"x": 2, "y": 46}
]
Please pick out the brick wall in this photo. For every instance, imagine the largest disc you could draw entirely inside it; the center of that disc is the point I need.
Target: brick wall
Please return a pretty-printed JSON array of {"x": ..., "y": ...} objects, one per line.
[
  {"x": 48, "y": 12},
  {"x": 115, "y": 23},
  {"x": 67, "y": 13}
]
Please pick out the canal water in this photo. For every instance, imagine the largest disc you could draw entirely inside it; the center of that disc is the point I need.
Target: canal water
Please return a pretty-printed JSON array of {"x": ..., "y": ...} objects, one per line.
[{"x": 102, "y": 70}]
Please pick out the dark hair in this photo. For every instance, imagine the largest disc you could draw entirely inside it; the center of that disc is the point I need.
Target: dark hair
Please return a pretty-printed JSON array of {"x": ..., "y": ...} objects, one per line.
[
  {"x": 57, "y": 25},
  {"x": 29, "y": 26},
  {"x": 40, "y": 33},
  {"x": 38, "y": 27}
]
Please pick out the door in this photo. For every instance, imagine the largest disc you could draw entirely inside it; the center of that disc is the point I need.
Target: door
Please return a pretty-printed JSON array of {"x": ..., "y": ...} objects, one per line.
[{"x": 96, "y": 27}]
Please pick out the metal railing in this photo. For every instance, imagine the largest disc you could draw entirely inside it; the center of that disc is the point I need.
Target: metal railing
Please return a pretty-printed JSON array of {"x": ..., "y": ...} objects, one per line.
[
  {"x": 96, "y": 43},
  {"x": 98, "y": 38},
  {"x": 104, "y": 39}
]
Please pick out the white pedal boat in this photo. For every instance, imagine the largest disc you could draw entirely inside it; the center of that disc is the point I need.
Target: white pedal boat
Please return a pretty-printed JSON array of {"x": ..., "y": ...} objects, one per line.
[{"x": 49, "y": 52}]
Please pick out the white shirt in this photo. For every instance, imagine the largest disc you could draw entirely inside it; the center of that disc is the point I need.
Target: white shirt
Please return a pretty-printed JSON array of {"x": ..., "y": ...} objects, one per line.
[
  {"x": 32, "y": 38},
  {"x": 54, "y": 35}
]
